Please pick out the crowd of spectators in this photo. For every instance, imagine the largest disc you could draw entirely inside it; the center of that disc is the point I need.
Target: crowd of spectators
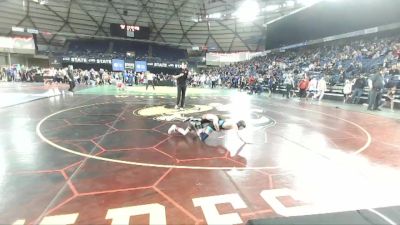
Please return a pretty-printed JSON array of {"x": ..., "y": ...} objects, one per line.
[
  {"x": 314, "y": 69},
  {"x": 81, "y": 76},
  {"x": 29, "y": 74},
  {"x": 37, "y": 74},
  {"x": 305, "y": 72},
  {"x": 104, "y": 49},
  {"x": 335, "y": 62}
]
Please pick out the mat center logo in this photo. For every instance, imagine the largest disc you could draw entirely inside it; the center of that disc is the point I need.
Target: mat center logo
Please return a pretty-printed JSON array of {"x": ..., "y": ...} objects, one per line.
[
  {"x": 169, "y": 113},
  {"x": 254, "y": 116}
]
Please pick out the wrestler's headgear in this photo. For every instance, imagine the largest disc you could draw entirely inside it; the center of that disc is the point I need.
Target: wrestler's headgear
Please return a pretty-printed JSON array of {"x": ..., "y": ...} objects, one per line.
[{"x": 241, "y": 124}]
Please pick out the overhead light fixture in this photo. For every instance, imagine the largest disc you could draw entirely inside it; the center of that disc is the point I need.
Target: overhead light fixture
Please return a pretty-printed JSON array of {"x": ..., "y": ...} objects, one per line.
[
  {"x": 248, "y": 11},
  {"x": 42, "y": 2},
  {"x": 32, "y": 31},
  {"x": 307, "y": 2},
  {"x": 270, "y": 8},
  {"x": 290, "y": 3},
  {"x": 215, "y": 16},
  {"x": 17, "y": 29}
]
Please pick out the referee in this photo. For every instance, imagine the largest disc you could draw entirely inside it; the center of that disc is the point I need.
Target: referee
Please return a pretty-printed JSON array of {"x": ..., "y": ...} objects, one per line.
[
  {"x": 70, "y": 76},
  {"x": 181, "y": 82},
  {"x": 150, "y": 79}
]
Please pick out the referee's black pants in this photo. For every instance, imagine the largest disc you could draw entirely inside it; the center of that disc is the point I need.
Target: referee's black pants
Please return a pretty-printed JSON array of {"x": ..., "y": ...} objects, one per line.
[
  {"x": 181, "y": 96},
  {"x": 152, "y": 83},
  {"x": 71, "y": 85}
]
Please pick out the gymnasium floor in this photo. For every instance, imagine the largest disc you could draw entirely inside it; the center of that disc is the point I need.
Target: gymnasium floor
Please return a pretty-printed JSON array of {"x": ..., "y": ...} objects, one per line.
[{"x": 103, "y": 156}]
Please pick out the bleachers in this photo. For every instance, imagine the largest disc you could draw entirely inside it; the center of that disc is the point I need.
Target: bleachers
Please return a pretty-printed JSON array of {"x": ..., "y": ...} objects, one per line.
[
  {"x": 119, "y": 48},
  {"x": 88, "y": 46},
  {"x": 169, "y": 53}
]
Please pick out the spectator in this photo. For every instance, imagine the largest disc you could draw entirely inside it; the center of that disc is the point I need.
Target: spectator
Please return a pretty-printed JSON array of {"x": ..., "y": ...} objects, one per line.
[
  {"x": 375, "y": 93},
  {"x": 390, "y": 97},
  {"x": 321, "y": 88},
  {"x": 303, "y": 84},
  {"x": 358, "y": 89},
  {"x": 312, "y": 88},
  {"x": 346, "y": 91},
  {"x": 289, "y": 84}
]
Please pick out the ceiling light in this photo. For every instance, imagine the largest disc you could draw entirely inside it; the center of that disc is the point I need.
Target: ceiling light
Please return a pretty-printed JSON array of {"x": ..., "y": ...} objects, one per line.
[
  {"x": 17, "y": 29},
  {"x": 290, "y": 3},
  {"x": 270, "y": 8},
  {"x": 248, "y": 11},
  {"x": 307, "y": 2},
  {"x": 214, "y": 16}
]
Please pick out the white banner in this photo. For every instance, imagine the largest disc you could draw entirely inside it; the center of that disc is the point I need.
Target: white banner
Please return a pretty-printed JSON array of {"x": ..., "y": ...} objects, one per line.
[
  {"x": 17, "y": 45},
  {"x": 220, "y": 59}
]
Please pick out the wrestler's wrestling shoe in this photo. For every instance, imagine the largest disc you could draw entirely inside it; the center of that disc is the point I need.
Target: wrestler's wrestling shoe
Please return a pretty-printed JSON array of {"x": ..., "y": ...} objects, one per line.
[
  {"x": 192, "y": 119},
  {"x": 172, "y": 129},
  {"x": 188, "y": 119}
]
